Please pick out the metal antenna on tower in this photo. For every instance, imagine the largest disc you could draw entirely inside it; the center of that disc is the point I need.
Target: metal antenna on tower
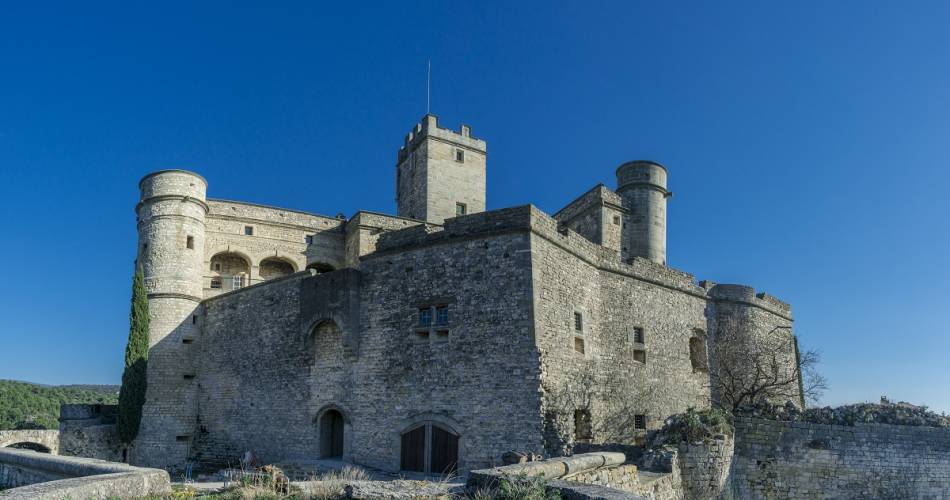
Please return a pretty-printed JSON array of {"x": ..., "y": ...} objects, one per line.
[{"x": 428, "y": 80}]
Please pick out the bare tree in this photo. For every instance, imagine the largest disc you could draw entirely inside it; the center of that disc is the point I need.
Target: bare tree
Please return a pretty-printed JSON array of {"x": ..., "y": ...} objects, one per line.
[{"x": 747, "y": 369}]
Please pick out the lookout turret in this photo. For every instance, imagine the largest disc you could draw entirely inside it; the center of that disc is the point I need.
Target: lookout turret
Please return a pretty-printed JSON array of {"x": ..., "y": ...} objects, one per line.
[
  {"x": 171, "y": 225},
  {"x": 642, "y": 186},
  {"x": 440, "y": 173}
]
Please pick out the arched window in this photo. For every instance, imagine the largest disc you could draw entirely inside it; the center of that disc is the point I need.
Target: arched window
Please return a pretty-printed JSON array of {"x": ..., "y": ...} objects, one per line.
[
  {"x": 429, "y": 447},
  {"x": 273, "y": 267},
  {"x": 229, "y": 271}
]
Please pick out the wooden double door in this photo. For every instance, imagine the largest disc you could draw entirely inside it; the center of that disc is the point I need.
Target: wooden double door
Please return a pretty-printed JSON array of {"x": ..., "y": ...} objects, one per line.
[{"x": 429, "y": 448}]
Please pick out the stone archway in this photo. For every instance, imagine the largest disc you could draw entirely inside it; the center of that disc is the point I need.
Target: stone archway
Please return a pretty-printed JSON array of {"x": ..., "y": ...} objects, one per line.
[
  {"x": 331, "y": 434},
  {"x": 26, "y": 445}
]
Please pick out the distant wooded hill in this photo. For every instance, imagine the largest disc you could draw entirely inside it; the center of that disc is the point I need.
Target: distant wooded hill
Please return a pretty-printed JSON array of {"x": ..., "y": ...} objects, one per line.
[{"x": 24, "y": 405}]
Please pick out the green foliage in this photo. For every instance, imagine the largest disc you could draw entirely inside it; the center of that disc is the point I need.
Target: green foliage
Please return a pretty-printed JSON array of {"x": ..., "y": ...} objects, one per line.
[
  {"x": 694, "y": 425},
  {"x": 525, "y": 488},
  {"x": 30, "y": 406},
  {"x": 132, "y": 395}
]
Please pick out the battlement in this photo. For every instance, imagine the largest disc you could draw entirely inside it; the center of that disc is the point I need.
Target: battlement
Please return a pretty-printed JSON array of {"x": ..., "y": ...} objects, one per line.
[
  {"x": 429, "y": 127},
  {"x": 743, "y": 294}
]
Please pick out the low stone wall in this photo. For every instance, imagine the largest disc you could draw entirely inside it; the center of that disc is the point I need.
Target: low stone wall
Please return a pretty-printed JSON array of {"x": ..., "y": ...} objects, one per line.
[
  {"x": 42, "y": 476},
  {"x": 799, "y": 460},
  {"x": 39, "y": 439},
  {"x": 88, "y": 430},
  {"x": 704, "y": 467}
]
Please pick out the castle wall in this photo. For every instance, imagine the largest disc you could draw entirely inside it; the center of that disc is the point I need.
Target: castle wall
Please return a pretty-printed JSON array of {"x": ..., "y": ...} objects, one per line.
[
  {"x": 272, "y": 361},
  {"x": 607, "y": 379},
  {"x": 799, "y": 460},
  {"x": 596, "y": 215}
]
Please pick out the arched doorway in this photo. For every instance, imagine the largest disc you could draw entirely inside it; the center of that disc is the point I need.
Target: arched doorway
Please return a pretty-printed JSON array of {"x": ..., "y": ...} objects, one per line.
[
  {"x": 429, "y": 447},
  {"x": 331, "y": 434},
  {"x": 30, "y": 446}
]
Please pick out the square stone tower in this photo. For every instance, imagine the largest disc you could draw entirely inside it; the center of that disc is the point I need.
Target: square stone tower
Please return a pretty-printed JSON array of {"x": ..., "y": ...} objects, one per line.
[{"x": 440, "y": 173}]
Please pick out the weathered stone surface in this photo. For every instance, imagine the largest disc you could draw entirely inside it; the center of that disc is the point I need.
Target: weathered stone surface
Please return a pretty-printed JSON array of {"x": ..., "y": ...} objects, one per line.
[
  {"x": 801, "y": 460},
  {"x": 40, "y": 439},
  {"x": 34, "y": 475}
]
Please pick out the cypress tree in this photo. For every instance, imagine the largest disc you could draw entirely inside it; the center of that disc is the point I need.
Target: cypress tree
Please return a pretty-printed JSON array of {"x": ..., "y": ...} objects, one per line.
[{"x": 132, "y": 394}]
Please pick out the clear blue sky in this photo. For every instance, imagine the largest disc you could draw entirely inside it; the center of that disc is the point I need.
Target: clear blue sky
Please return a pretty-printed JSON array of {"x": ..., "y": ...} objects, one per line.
[{"x": 807, "y": 145}]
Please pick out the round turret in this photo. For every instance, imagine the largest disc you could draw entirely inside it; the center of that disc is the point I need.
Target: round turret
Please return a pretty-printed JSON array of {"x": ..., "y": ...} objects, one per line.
[
  {"x": 642, "y": 186},
  {"x": 171, "y": 227}
]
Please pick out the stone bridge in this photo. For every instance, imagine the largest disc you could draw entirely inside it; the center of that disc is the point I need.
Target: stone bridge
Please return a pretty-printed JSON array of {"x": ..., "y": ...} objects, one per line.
[{"x": 46, "y": 441}]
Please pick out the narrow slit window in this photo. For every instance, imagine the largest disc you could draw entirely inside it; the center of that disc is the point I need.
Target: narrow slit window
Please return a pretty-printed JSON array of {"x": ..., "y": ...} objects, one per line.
[
  {"x": 189, "y": 377},
  {"x": 187, "y": 340},
  {"x": 190, "y": 242}
]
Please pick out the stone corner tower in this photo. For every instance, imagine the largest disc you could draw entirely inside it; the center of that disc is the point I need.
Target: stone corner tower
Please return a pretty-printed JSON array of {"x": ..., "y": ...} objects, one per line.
[
  {"x": 642, "y": 187},
  {"x": 171, "y": 234},
  {"x": 440, "y": 173}
]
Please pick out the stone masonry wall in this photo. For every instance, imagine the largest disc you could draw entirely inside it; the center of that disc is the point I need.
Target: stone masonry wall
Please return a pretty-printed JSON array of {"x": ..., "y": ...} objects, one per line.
[{"x": 798, "y": 460}]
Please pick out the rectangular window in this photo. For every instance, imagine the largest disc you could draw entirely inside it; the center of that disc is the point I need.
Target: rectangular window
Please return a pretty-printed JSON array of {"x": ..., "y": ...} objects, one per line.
[
  {"x": 638, "y": 335},
  {"x": 640, "y": 422},
  {"x": 189, "y": 377},
  {"x": 187, "y": 340},
  {"x": 442, "y": 335},
  {"x": 459, "y": 156},
  {"x": 249, "y": 230},
  {"x": 578, "y": 323},
  {"x": 217, "y": 266},
  {"x": 442, "y": 315},
  {"x": 237, "y": 282},
  {"x": 190, "y": 242},
  {"x": 579, "y": 345},
  {"x": 194, "y": 319},
  {"x": 617, "y": 220},
  {"x": 460, "y": 209},
  {"x": 425, "y": 316},
  {"x": 308, "y": 239},
  {"x": 422, "y": 335},
  {"x": 215, "y": 282},
  {"x": 640, "y": 356}
]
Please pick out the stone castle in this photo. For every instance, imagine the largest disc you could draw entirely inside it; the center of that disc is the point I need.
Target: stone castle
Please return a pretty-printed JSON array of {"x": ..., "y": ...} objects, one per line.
[{"x": 431, "y": 340}]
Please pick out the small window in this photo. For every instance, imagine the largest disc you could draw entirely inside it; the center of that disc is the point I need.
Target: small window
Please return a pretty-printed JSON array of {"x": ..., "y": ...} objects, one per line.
[
  {"x": 582, "y": 426},
  {"x": 422, "y": 335},
  {"x": 640, "y": 356},
  {"x": 460, "y": 209},
  {"x": 217, "y": 266},
  {"x": 189, "y": 377},
  {"x": 237, "y": 282},
  {"x": 579, "y": 345},
  {"x": 617, "y": 220},
  {"x": 697, "y": 354},
  {"x": 190, "y": 242},
  {"x": 640, "y": 422},
  {"x": 194, "y": 319},
  {"x": 637, "y": 335},
  {"x": 459, "y": 156},
  {"x": 183, "y": 438},
  {"x": 187, "y": 340},
  {"x": 578, "y": 323},
  {"x": 249, "y": 230},
  {"x": 308, "y": 239},
  {"x": 144, "y": 247},
  {"x": 442, "y": 315},
  {"x": 442, "y": 335},
  {"x": 425, "y": 316},
  {"x": 215, "y": 282}
]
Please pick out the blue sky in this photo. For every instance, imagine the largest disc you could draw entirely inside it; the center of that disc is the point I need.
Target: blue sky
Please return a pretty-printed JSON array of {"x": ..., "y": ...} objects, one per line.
[{"x": 807, "y": 145}]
